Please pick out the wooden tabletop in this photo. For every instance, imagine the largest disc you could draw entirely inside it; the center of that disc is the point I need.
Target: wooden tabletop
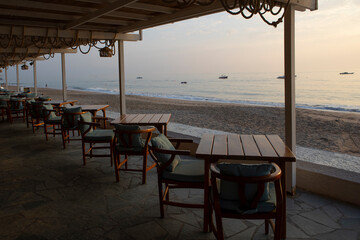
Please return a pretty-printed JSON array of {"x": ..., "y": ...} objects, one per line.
[
  {"x": 143, "y": 119},
  {"x": 92, "y": 107},
  {"x": 60, "y": 102},
  {"x": 247, "y": 147}
]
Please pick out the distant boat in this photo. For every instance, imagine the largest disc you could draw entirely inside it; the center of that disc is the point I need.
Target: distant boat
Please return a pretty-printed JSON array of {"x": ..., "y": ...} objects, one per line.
[
  {"x": 223, "y": 77},
  {"x": 138, "y": 77},
  {"x": 344, "y": 73},
  {"x": 183, "y": 82},
  {"x": 282, "y": 77}
]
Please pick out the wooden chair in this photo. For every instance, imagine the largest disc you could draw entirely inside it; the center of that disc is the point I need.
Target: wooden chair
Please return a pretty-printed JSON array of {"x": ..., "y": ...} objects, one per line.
[
  {"x": 174, "y": 172},
  {"x": 242, "y": 196},
  {"x": 51, "y": 120},
  {"x": 92, "y": 135},
  {"x": 70, "y": 122},
  {"x": 4, "y": 106},
  {"x": 17, "y": 108},
  {"x": 35, "y": 110},
  {"x": 128, "y": 142}
]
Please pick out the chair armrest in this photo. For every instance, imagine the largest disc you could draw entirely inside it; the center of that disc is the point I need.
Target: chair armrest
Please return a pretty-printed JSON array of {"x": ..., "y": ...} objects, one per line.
[
  {"x": 172, "y": 152},
  {"x": 178, "y": 141},
  {"x": 90, "y": 123},
  {"x": 100, "y": 118}
]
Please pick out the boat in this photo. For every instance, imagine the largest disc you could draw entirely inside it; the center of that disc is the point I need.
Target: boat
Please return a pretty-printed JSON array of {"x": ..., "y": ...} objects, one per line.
[
  {"x": 282, "y": 77},
  {"x": 138, "y": 77},
  {"x": 345, "y": 73},
  {"x": 223, "y": 76},
  {"x": 183, "y": 82}
]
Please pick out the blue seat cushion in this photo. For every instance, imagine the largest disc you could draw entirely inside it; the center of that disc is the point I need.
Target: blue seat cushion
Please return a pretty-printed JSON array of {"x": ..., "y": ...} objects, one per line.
[
  {"x": 54, "y": 120},
  {"x": 189, "y": 169},
  {"x": 52, "y": 115},
  {"x": 100, "y": 135},
  {"x": 136, "y": 141},
  {"x": 30, "y": 95},
  {"x": 85, "y": 117},
  {"x": 229, "y": 190},
  {"x": 262, "y": 207},
  {"x": 3, "y": 100},
  {"x": 162, "y": 142}
]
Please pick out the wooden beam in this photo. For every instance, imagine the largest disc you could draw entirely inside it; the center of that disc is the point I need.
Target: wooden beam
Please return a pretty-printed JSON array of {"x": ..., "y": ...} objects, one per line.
[
  {"x": 195, "y": 11},
  {"x": 17, "y": 58},
  {"x": 140, "y": 6},
  {"x": 36, "y": 50},
  {"x": 53, "y": 32},
  {"x": 303, "y": 4},
  {"x": 69, "y": 8},
  {"x": 57, "y": 16},
  {"x": 92, "y": 16}
]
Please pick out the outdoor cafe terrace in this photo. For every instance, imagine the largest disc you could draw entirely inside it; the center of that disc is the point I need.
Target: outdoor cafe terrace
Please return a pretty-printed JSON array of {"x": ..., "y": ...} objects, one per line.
[{"x": 47, "y": 193}]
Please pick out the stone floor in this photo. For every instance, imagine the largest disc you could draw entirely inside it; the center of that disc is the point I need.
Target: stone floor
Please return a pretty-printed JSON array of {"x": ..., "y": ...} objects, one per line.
[{"x": 46, "y": 193}]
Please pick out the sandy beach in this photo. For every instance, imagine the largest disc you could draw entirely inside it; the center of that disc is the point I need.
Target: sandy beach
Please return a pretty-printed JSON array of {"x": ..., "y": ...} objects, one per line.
[{"x": 325, "y": 130}]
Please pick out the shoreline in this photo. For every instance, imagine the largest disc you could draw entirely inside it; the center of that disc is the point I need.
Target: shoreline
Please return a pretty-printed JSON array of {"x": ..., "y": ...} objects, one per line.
[{"x": 332, "y": 131}]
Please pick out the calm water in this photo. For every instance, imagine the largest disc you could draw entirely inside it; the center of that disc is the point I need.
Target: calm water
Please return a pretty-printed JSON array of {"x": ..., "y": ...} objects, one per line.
[{"x": 315, "y": 90}]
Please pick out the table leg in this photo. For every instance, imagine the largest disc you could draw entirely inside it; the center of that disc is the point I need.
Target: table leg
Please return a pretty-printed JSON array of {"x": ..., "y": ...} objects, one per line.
[
  {"x": 165, "y": 129},
  {"x": 283, "y": 186},
  {"x": 206, "y": 195},
  {"x": 104, "y": 114}
]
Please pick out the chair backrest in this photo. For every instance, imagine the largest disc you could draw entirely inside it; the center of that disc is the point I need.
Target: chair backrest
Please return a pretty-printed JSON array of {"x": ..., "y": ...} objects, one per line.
[
  {"x": 70, "y": 118},
  {"x": 4, "y": 100},
  {"x": 85, "y": 128},
  {"x": 246, "y": 185},
  {"x": 36, "y": 110},
  {"x": 48, "y": 111},
  {"x": 129, "y": 136},
  {"x": 16, "y": 104}
]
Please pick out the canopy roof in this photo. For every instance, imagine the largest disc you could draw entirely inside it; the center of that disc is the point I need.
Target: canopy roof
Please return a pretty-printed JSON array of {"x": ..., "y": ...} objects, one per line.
[{"x": 32, "y": 28}]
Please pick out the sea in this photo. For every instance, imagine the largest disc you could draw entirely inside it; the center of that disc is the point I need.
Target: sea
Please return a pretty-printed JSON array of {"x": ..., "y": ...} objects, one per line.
[{"x": 323, "y": 90}]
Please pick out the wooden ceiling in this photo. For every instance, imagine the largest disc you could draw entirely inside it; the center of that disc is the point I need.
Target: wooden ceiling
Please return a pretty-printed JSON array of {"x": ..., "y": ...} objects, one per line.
[{"x": 32, "y": 28}]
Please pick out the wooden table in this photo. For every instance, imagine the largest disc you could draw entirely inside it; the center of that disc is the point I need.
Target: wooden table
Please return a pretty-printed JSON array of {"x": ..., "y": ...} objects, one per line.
[
  {"x": 61, "y": 103},
  {"x": 93, "y": 109},
  {"x": 160, "y": 121},
  {"x": 243, "y": 147}
]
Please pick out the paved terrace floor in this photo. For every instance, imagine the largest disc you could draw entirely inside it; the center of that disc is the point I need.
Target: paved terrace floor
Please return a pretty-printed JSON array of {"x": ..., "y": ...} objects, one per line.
[{"x": 46, "y": 193}]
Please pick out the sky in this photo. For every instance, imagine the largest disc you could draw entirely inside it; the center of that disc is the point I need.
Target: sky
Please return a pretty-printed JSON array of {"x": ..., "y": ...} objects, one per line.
[{"x": 326, "y": 40}]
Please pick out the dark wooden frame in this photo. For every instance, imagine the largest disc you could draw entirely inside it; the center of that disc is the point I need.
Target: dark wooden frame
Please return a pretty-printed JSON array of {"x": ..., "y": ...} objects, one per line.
[
  {"x": 164, "y": 198},
  {"x": 89, "y": 152},
  {"x": 145, "y": 152},
  {"x": 65, "y": 132},
  {"x": 276, "y": 214},
  {"x": 56, "y": 128},
  {"x": 6, "y": 109},
  {"x": 17, "y": 109}
]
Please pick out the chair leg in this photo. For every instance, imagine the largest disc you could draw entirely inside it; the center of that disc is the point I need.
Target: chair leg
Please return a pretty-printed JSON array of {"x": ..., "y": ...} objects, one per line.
[
  {"x": 116, "y": 166},
  {"x": 63, "y": 134},
  {"x": 91, "y": 151},
  {"x": 83, "y": 152},
  {"x": 111, "y": 153},
  {"x": 161, "y": 198},
  {"x": 266, "y": 226},
  {"x": 144, "y": 169}
]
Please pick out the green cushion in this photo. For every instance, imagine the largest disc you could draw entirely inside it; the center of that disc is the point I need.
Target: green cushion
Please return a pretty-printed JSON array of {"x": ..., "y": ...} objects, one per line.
[
  {"x": 162, "y": 142},
  {"x": 85, "y": 117},
  {"x": 189, "y": 169},
  {"x": 44, "y": 98},
  {"x": 100, "y": 135},
  {"x": 68, "y": 121},
  {"x": 30, "y": 95},
  {"x": 52, "y": 115},
  {"x": 229, "y": 190},
  {"x": 137, "y": 141},
  {"x": 53, "y": 120},
  {"x": 262, "y": 207}
]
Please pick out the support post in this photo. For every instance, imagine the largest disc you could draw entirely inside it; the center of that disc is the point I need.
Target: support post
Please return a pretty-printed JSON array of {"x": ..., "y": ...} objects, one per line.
[
  {"x": 290, "y": 114},
  {"x": 121, "y": 77},
  {"x": 6, "y": 78},
  {"x": 17, "y": 77},
  {"x": 64, "y": 88},
  {"x": 35, "y": 77}
]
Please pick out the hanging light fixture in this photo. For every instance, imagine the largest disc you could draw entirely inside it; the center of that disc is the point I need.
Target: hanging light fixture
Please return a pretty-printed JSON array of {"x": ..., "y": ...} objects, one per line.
[
  {"x": 106, "y": 52},
  {"x": 247, "y": 8},
  {"x": 24, "y": 67}
]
